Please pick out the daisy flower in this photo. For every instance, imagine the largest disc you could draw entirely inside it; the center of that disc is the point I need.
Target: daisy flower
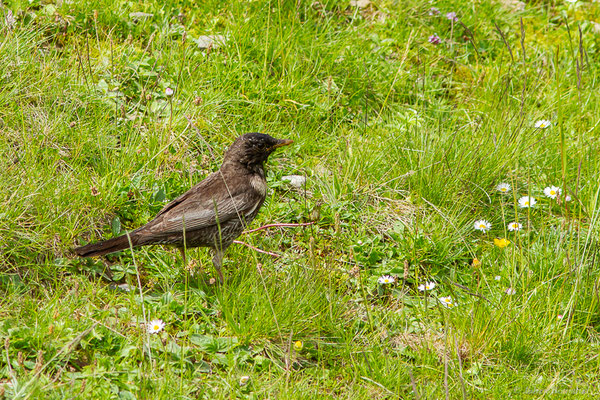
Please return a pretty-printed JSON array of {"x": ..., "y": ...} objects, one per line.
[
  {"x": 447, "y": 302},
  {"x": 156, "y": 326},
  {"x": 502, "y": 243},
  {"x": 482, "y": 225},
  {"x": 426, "y": 286},
  {"x": 514, "y": 226},
  {"x": 552, "y": 191},
  {"x": 386, "y": 280},
  {"x": 244, "y": 380},
  {"x": 510, "y": 291},
  {"x": 543, "y": 124},
  {"x": 526, "y": 202},
  {"x": 503, "y": 188},
  {"x": 169, "y": 91},
  {"x": 497, "y": 277}
]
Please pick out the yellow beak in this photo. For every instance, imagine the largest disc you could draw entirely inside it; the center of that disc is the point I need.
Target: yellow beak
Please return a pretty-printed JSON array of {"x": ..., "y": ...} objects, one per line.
[{"x": 283, "y": 142}]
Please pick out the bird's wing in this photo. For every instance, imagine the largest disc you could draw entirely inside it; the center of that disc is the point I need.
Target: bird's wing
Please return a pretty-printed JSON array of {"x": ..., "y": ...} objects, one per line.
[
  {"x": 203, "y": 186},
  {"x": 202, "y": 207}
]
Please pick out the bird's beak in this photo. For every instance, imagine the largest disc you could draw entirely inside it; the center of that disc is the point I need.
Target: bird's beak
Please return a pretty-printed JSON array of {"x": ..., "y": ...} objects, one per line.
[{"x": 283, "y": 142}]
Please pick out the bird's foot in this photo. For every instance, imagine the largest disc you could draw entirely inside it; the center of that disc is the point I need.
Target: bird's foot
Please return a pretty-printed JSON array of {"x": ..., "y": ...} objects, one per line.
[
  {"x": 220, "y": 273},
  {"x": 191, "y": 267}
]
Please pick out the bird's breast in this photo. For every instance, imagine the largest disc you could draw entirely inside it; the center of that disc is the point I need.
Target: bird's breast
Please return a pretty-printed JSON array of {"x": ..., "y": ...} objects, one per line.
[{"x": 259, "y": 184}]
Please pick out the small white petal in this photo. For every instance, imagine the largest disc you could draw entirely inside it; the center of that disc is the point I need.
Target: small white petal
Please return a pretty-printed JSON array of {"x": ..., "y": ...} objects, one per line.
[
  {"x": 244, "y": 380},
  {"x": 552, "y": 191},
  {"x": 543, "y": 124},
  {"x": 447, "y": 302},
  {"x": 386, "y": 280},
  {"x": 155, "y": 326},
  {"x": 526, "y": 202},
  {"x": 426, "y": 286},
  {"x": 482, "y": 225},
  {"x": 515, "y": 226},
  {"x": 503, "y": 188}
]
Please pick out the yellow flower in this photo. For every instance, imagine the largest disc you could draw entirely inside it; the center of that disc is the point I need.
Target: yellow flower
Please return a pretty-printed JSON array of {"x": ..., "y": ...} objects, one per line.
[
  {"x": 476, "y": 263},
  {"x": 502, "y": 243},
  {"x": 298, "y": 346}
]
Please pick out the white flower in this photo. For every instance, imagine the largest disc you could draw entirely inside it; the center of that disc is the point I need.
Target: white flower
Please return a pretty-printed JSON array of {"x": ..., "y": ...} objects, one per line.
[
  {"x": 515, "y": 226},
  {"x": 426, "y": 286},
  {"x": 552, "y": 191},
  {"x": 567, "y": 198},
  {"x": 447, "y": 302},
  {"x": 510, "y": 291},
  {"x": 244, "y": 380},
  {"x": 169, "y": 91},
  {"x": 503, "y": 188},
  {"x": 497, "y": 277},
  {"x": 156, "y": 326},
  {"x": 526, "y": 201},
  {"x": 543, "y": 124},
  {"x": 386, "y": 279},
  {"x": 571, "y": 1},
  {"x": 482, "y": 225}
]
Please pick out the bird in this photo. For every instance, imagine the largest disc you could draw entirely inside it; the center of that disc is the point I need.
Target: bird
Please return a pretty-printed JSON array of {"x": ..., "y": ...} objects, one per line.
[{"x": 214, "y": 212}]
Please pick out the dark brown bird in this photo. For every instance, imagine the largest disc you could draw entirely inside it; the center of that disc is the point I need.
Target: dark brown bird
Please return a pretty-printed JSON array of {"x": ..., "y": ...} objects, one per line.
[{"x": 214, "y": 212}]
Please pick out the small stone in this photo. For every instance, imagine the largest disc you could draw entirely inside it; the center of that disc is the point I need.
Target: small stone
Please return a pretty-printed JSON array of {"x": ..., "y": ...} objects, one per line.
[
  {"x": 125, "y": 287},
  {"x": 296, "y": 181},
  {"x": 140, "y": 15},
  {"x": 360, "y": 3},
  {"x": 214, "y": 41}
]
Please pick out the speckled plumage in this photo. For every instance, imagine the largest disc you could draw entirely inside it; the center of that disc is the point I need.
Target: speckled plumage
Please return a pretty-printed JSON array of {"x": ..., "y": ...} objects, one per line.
[{"x": 212, "y": 213}]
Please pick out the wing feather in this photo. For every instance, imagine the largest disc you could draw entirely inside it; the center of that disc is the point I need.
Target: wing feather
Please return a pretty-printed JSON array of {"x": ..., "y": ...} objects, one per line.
[
  {"x": 197, "y": 209},
  {"x": 198, "y": 216}
]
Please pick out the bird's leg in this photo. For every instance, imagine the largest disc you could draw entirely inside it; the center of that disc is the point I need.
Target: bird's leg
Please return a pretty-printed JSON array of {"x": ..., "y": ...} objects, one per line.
[
  {"x": 182, "y": 251},
  {"x": 218, "y": 262},
  {"x": 190, "y": 268}
]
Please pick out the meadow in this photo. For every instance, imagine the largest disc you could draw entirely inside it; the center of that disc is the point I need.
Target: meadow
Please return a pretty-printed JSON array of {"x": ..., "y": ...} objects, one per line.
[{"x": 444, "y": 244}]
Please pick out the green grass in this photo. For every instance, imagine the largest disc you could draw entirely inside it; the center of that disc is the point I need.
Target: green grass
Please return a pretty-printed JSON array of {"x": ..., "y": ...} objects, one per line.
[{"x": 402, "y": 142}]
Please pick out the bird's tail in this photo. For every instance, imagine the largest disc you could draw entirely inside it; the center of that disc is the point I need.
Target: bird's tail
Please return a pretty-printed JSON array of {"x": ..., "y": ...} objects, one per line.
[{"x": 106, "y": 246}]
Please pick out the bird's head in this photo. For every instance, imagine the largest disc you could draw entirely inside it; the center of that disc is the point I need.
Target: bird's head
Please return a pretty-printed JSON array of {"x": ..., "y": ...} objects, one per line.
[{"x": 253, "y": 149}]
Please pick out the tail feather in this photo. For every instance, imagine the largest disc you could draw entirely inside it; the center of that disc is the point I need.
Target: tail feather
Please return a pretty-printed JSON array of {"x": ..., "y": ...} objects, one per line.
[{"x": 106, "y": 246}]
